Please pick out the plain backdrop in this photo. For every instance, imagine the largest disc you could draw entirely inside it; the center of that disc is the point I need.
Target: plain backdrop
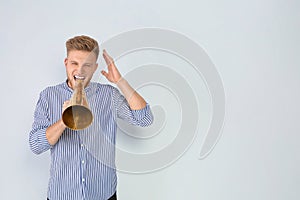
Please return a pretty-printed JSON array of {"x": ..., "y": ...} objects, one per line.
[{"x": 254, "y": 46}]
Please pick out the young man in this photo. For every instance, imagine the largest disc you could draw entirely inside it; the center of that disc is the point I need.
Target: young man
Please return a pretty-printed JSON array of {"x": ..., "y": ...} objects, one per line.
[{"x": 75, "y": 172}]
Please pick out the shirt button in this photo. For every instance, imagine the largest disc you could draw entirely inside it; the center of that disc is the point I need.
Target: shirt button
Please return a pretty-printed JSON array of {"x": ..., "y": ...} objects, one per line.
[
  {"x": 83, "y": 180},
  {"x": 82, "y": 162},
  {"x": 81, "y": 145}
]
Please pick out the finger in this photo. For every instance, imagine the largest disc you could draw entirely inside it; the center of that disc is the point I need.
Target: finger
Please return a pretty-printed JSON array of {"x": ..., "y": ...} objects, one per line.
[
  {"x": 66, "y": 104},
  {"x": 109, "y": 61},
  {"x": 104, "y": 73},
  {"x": 107, "y": 55}
]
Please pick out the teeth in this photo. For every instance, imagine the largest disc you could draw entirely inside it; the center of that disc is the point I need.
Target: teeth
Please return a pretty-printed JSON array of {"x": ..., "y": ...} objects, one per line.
[{"x": 79, "y": 77}]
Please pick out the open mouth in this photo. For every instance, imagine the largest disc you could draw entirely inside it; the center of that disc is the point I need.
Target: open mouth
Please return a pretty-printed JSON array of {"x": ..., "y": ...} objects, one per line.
[{"x": 79, "y": 77}]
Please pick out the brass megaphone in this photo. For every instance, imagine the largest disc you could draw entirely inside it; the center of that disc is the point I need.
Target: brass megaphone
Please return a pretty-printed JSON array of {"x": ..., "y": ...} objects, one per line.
[{"x": 78, "y": 115}]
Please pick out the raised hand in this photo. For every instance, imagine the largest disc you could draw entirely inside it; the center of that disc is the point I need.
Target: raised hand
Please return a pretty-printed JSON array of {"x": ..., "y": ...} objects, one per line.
[{"x": 113, "y": 74}]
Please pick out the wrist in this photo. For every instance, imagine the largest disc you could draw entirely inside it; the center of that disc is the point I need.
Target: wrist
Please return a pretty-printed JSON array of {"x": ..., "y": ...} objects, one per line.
[
  {"x": 125, "y": 88},
  {"x": 119, "y": 81},
  {"x": 62, "y": 124}
]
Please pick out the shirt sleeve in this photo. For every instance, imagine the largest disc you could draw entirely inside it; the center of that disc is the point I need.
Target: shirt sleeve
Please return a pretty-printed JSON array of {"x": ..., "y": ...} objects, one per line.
[
  {"x": 37, "y": 138},
  {"x": 142, "y": 117}
]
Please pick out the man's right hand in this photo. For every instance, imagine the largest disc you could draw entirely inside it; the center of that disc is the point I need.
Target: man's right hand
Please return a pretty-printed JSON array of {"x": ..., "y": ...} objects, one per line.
[{"x": 65, "y": 105}]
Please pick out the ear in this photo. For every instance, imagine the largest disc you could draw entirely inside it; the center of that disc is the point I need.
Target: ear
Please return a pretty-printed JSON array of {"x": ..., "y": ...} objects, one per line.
[
  {"x": 66, "y": 61},
  {"x": 96, "y": 67}
]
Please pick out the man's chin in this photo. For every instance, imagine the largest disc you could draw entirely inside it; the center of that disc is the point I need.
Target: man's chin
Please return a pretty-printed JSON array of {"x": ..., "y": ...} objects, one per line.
[{"x": 72, "y": 83}]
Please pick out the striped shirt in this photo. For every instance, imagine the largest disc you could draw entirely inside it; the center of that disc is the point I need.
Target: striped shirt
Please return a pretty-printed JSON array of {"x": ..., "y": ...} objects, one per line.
[{"x": 82, "y": 161}]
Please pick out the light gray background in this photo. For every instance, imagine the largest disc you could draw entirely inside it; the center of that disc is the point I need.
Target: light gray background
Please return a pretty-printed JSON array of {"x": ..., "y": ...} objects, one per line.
[{"x": 253, "y": 45}]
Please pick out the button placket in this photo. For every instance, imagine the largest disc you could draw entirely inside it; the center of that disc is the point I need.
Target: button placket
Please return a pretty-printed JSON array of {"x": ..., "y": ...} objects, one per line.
[{"x": 82, "y": 164}]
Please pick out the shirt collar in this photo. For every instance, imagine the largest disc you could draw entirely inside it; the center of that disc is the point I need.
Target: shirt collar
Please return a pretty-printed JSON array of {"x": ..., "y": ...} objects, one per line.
[{"x": 87, "y": 89}]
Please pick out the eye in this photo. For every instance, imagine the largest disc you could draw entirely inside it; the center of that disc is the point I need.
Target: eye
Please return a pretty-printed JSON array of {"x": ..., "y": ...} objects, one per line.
[{"x": 87, "y": 65}]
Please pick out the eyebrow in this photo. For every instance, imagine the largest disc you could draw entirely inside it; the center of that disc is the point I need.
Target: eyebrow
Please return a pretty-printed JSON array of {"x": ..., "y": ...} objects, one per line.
[{"x": 86, "y": 63}]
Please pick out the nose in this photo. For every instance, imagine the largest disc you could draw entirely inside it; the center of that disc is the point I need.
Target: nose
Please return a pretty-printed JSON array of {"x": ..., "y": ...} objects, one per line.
[{"x": 80, "y": 70}]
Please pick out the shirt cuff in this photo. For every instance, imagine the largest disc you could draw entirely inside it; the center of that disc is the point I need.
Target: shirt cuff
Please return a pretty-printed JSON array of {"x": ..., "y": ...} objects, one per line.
[
  {"x": 39, "y": 142},
  {"x": 141, "y": 113}
]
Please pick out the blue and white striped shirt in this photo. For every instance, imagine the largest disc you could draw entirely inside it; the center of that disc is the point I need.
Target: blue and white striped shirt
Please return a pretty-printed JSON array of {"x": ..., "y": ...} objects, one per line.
[{"x": 82, "y": 161}]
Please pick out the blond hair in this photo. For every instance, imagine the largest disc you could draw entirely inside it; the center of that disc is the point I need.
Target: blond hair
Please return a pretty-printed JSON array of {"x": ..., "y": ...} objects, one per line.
[{"x": 82, "y": 43}]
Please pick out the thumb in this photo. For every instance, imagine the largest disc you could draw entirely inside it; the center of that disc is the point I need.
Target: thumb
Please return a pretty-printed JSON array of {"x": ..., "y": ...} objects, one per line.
[{"x": 104, "y": 73}]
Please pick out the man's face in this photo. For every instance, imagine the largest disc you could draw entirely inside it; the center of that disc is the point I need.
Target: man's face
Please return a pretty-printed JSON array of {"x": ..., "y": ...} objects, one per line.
[{"x": 80, "y": 64}]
